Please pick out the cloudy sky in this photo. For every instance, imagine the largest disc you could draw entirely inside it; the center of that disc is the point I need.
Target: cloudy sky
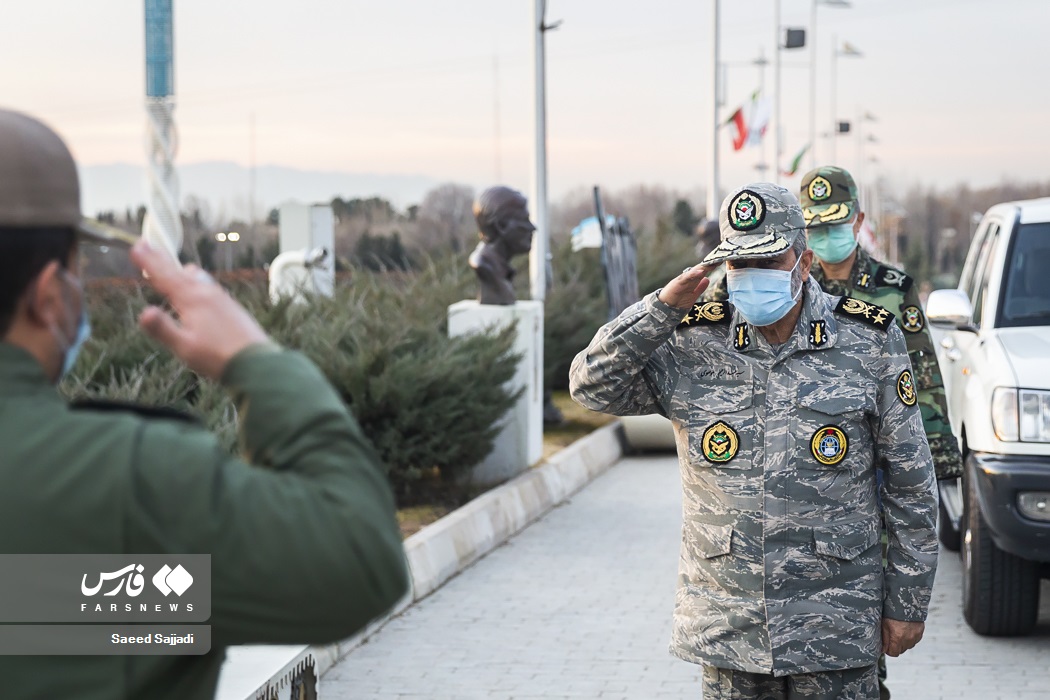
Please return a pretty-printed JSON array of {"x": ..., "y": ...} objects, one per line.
[{"x": 443, "y": 89}]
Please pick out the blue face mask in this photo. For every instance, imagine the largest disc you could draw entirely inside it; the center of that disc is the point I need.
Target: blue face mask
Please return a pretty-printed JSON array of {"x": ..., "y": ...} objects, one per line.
[
  {"x": 763, "y": 297},
  {"x": 82, "y": 334},
  {"x": 832, "y": 244}
]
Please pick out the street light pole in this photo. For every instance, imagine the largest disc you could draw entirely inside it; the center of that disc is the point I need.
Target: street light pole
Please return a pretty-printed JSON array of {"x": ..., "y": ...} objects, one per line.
[
  {"x": 813, "y": 74},
  {"x": 713, "y": 199},
  {"x": 540, "y": 241}
]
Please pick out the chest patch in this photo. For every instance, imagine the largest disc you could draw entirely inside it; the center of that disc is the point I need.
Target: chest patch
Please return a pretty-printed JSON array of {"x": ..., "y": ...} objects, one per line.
[
  {"x": 829, "y": 445},
  {"x": 720, "y": 443},
  {"x": 912, "y": 320}
]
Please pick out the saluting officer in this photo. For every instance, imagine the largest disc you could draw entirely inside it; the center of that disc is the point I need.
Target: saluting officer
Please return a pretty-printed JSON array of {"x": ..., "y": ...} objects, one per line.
[
  {"x": 783, "y": 401},
  {"x": 831, "y": 207}
]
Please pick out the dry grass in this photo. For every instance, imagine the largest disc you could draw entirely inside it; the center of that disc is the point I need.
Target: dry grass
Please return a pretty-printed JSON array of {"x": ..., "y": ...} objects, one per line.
[{"x": 579, "y": 422}]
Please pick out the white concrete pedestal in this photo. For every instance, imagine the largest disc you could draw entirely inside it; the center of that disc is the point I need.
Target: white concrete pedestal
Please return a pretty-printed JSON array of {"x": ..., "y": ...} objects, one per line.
[{"x": 519, "y": 444}]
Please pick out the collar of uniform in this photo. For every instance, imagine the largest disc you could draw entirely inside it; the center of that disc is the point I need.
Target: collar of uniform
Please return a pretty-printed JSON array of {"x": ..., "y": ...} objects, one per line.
[
  {"x": 816, "y": 309},
  {"x": 817, "y": 328},
  {"x": 863, "y": 274},
  {"x": 20, "y": 373}
]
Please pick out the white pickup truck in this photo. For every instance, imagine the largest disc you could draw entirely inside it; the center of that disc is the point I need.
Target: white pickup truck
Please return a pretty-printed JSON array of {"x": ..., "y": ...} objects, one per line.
[{"x": 995, "y": 357}]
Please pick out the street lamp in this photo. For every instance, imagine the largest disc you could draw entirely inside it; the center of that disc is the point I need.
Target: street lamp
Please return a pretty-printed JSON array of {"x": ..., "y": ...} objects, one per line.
[
  {"x": 849, "y": 51},
  {"x": 228, "y": 238},
  {"x": 813, "y": 75}
]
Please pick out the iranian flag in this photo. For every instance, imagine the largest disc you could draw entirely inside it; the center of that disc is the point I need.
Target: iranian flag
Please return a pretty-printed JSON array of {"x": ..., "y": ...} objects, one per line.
[
  {"x": 739, "y": 124},
  {"x": 796, "y": 161}
]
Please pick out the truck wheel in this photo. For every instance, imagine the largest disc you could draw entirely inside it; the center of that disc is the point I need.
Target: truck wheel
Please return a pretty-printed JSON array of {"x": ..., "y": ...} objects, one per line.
[
  {"x": 1000, "y": 590},
  {"x": 946, "y": 533}
]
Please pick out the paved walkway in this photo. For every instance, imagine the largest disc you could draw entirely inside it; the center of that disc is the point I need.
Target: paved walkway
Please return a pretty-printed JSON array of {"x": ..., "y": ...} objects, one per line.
[{"x": 579, "y": 606}]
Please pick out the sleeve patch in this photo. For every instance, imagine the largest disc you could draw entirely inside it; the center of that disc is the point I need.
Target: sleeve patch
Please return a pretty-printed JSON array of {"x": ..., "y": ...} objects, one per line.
[
  {"x": 889, "y": 277},
  {"x": 906, "y": 388},
  {"x": 706, "y": 313},
  {"x": 912, "y": 319},
  {"x": 871, "y": 314}
]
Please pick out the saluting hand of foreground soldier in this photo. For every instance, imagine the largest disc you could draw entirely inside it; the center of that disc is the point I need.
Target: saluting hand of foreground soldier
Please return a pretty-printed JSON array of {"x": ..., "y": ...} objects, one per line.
[
  {"x": 684, "y": 290},
  {"x": 211, "y": 328}
]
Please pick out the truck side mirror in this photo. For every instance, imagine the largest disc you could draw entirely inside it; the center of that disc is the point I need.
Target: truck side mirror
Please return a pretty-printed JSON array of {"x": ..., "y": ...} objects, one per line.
[{"x": 950, "y": 309}]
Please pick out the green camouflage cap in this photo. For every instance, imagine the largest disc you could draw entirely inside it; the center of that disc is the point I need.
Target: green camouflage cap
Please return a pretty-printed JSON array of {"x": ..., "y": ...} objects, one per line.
[
  {"x": 829, "y": 196},
  {"x": 760, "y": 220}
]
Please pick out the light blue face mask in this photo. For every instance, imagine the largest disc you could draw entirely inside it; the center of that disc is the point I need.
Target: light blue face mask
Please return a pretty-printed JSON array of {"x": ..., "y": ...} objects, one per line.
[
  {"x": 833, "y": 243},
  {"x": 82, "y": 334},
  {"x": 763, "y": 297}
]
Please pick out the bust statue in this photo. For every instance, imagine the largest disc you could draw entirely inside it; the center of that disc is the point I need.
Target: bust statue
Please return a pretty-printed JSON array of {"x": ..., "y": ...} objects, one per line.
[{"x": 503, "y": 224}]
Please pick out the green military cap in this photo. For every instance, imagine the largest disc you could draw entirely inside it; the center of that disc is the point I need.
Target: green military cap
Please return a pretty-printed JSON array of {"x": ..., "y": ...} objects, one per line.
[
  {"x": 39, "y": 186},
  {"x": 760, "y": 220},
  {"x": 829, "y": 196}
]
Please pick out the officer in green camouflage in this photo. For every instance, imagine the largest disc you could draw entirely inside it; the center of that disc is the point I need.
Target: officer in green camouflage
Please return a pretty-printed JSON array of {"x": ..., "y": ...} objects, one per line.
[
  {"x": 783, "y": 402},
  {"x": 831, "y": 208}
]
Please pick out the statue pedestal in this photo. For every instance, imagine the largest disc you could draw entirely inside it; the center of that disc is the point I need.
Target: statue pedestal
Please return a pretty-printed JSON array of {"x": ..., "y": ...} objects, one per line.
[{"x": 519, "y": 443}]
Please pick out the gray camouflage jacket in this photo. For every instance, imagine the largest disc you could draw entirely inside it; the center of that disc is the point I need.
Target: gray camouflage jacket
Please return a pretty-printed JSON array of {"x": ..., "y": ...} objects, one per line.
[{"x": 780, "y": 569}]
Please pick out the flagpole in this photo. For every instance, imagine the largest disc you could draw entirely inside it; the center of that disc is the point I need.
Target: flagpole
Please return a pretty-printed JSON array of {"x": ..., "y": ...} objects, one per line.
[
  {"x": 834, "y": 79},
  {"x": 762, "y": 91},
  {"x": 713, "y": 199},
  {"x": 776, "y": 91},
  {"x": 813, "y": 87}
]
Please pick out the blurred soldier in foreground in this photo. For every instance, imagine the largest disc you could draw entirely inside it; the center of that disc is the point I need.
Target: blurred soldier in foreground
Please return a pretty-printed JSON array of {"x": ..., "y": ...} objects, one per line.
[
  {"x": 304, "y": 544},
  {"x": 783, "y": 402}
]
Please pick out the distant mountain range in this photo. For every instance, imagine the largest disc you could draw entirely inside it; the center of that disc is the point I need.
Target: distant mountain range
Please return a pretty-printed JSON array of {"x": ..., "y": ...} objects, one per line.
[{"x": 224, "y": 186}]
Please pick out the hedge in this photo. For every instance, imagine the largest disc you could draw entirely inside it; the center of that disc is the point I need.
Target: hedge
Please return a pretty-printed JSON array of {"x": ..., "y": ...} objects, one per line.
[{"x": 429, "y": 403}]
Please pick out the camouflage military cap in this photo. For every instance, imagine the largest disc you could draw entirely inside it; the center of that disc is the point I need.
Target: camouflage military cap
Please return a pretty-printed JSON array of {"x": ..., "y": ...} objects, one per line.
[
  {"x": 760, "y": 220},
  {"x": 828, "y": 196}
]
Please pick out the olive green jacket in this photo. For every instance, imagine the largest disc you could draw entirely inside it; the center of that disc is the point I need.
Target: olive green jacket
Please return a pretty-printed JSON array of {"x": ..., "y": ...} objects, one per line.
[
  {"x": 878, "y": 283},
  {"x": 304, "y": 543}
]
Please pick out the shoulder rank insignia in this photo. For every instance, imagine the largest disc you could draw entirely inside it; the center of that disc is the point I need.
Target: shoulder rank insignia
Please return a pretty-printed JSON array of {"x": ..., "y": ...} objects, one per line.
[
  {"x": 818, "y": 333},
  {"x": 872, "y": 314},
  {"x": 889, "y": 277},
  {"x": 906, "y": 388},
  {"x": 912, "y": 320},
  {"x": 706, "y": 313},
  {"x": 741, "y": 337}
]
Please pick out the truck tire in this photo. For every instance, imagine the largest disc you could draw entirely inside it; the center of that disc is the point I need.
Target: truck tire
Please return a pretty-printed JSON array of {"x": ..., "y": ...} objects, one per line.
[
  {"x": 1000, "y": 590},
  {"x": 950, "y": 538}
]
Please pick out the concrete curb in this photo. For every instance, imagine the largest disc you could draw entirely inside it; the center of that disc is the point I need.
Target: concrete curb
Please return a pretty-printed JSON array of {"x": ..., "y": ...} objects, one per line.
[{"x": 435, "y": 554}]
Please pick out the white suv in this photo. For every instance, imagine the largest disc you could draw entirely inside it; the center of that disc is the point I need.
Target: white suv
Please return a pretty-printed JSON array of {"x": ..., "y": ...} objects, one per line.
[{"x": 995, "y": 357}]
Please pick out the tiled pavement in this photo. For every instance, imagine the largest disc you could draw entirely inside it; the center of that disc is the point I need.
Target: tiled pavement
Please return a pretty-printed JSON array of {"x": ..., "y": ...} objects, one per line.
[{"x": 579, "y": 606}]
